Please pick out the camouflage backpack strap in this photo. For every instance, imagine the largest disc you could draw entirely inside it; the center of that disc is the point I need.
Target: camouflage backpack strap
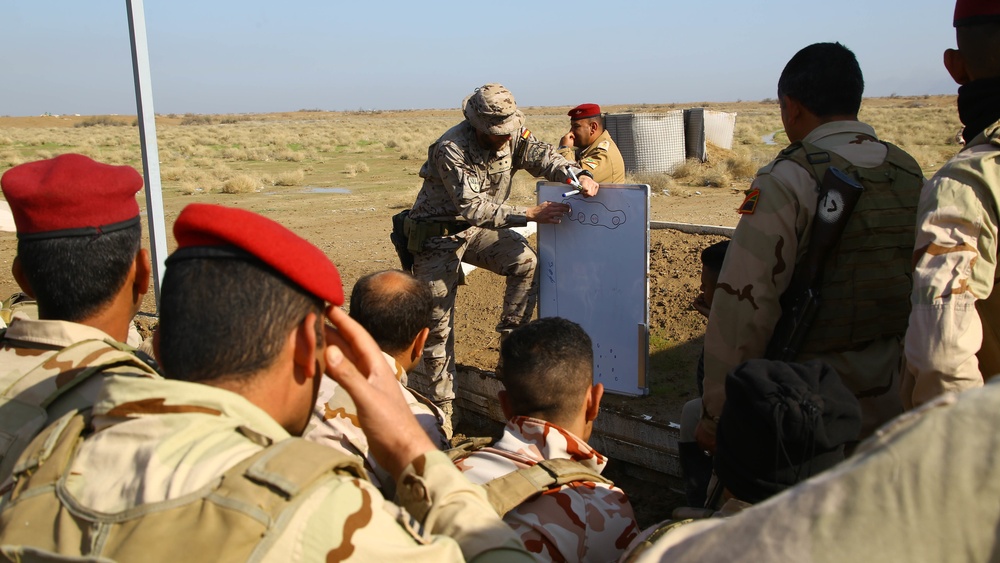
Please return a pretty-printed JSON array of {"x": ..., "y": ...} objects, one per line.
[
  {"x": 49, "y": 455},
  {"x": 511, "y": 490},
  {"x": 466, "y": 447},
  {"x": 268, "y": 483}
]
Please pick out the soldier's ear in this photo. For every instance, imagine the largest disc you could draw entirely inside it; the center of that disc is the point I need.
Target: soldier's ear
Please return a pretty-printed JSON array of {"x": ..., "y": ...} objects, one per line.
[
  {"x": 417, "y": 347},
  {"x": 143, "y": 272},
  {"x": 22, "y": 280},
  {"x": 594, "y": 395},
  {"x": 307, "y": 353},
  {"x": 955, "y": 63}
]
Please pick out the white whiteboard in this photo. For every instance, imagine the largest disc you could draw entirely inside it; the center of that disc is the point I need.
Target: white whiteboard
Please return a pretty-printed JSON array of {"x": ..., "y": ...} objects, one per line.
[{"x": 593, "y": 270}]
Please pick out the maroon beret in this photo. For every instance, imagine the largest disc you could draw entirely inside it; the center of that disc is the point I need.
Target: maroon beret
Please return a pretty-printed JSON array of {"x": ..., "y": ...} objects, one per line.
[
  {"x": 202, "y": 228},
  {"x": 974, "y": 12},
  {"x": 584, "y": 111},
  {"x": 71, "y": 195}
]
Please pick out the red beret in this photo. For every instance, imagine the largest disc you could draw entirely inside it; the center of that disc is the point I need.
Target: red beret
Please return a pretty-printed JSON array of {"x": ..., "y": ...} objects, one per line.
[
  {"x": 974, "y": 12},
  {"x": 584, "y": 111},
  {"x": 71, "y": 195},
  {"x": 201, "y": 225}
]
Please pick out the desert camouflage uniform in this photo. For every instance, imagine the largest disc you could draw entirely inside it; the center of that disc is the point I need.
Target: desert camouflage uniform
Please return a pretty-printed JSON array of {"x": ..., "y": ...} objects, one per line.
[
  {"x": 602, "y": 159},
  {"x": 164, "y": 441},
  {"x": 30, "y": 375},
  {"x": 335, "y": 423},
  {"x": 759, "y": 267},
  {"x": 914, "y": 492},
  {"x": 28, "y": 343},
  {"x": 956, "y": 313},
  {"x": 576, "y": 522},
  {"x": 464, "y": 180}
]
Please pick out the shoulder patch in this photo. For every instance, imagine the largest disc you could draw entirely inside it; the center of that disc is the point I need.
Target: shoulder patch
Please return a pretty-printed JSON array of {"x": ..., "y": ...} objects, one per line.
[
  {"x": 589, "y": 162},
  {"x": 749, "y": 204},
  {"x": 604, "y": 144},
  {"x": 525, "y": 134}
]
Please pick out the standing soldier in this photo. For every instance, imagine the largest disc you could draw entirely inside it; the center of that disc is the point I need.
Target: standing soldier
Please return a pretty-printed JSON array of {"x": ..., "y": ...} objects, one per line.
[
  {"x": 590, "y": 145},
  {"x": 461, "y": 215},
  {"x": 953, "y": 340},
  {"x": 865, "y": 285}
]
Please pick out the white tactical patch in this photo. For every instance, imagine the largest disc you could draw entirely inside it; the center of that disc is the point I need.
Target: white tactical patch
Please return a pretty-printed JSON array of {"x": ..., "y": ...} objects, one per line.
[{"x": 831, "y": 207}]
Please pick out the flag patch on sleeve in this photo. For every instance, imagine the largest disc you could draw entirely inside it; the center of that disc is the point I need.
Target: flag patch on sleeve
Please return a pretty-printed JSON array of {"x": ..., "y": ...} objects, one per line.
[{"x": 749, "y": 204}]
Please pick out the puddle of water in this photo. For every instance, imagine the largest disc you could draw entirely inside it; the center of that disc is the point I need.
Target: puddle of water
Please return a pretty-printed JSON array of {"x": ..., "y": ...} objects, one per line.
[{"x": 316, "y": 190}]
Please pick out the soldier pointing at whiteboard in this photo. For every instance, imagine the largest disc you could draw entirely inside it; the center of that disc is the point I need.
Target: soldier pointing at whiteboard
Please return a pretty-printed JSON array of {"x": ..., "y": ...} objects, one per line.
[{"x": 462, "y": 214}]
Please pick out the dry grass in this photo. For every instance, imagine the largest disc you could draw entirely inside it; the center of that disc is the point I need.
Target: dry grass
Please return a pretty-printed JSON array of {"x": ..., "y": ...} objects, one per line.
[{"x": 383, "y": 151}]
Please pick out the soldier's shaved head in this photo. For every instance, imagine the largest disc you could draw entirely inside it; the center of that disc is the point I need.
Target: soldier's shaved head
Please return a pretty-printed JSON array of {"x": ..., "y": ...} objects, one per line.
[{"x": 547, "y": 367}]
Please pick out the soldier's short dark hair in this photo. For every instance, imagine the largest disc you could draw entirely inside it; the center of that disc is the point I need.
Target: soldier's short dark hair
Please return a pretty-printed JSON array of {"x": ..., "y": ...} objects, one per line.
[
  {"x": 226, "y": 319},
  {"x": 825, "y": 78},
  {"x": 546, "y": 367},
  {"x": 73, "y": 278},
  {"x": 393, "y": 307},
  {"x": 713, "y": 256}
]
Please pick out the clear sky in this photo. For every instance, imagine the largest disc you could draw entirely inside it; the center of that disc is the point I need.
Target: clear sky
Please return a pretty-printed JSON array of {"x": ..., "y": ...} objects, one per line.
[{"x": 228, "y": 56}]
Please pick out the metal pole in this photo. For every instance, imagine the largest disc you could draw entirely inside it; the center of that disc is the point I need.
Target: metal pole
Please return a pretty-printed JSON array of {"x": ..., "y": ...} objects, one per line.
[{"x": 147, "y": 140}]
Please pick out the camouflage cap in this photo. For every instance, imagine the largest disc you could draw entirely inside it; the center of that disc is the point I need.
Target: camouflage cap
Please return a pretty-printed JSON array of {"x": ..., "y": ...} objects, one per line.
[{"x": 492, "y": 109}]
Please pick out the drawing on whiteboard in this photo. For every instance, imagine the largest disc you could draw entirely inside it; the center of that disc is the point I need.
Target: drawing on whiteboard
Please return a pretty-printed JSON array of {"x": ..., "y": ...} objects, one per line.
[{"x": 594, "y": 213}]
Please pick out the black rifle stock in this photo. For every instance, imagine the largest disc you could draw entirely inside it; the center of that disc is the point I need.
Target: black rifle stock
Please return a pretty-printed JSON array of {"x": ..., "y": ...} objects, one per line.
[{"x": 839, "y": 193}]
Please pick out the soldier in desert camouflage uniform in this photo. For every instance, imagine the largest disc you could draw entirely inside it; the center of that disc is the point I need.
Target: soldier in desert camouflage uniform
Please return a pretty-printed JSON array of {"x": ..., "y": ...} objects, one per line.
[
  {"x": 461, "y": 214},
  {"x": 79, "y": 254},
  {"x": 395, "y": 308},
  {"x": 865, "y": 289},
  {"x": 203, "y": 466},
  {"x": 547, "y": 370},
  {"x": 590, "y": 145},
  {"x": 953, "y": 340}
]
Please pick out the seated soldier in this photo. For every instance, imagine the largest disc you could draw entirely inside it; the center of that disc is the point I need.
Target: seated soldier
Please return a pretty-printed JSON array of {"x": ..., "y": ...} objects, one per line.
[
  {"x": 395, "y": 309},
  {"x": 203, "y": 465},
  {"x": 781, "y": 424},
  {"x": 79, "y": 255},
  {"x": 550, "y": 402}
]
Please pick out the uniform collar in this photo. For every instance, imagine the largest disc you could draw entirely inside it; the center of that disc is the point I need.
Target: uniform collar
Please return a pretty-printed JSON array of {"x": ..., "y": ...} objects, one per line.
[
  {"x": 541, "y": 440},
  {"x": 840, "y": 128},
  {"x": 58, "y": 334},
  {"x": 124, "y": 397}
]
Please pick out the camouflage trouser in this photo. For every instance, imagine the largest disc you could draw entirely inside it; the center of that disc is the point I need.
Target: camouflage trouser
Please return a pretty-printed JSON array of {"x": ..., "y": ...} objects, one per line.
[{"x": 501, "y": 251}]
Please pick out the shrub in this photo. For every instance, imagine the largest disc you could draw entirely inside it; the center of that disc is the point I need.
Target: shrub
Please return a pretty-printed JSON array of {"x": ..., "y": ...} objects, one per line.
[
  {"x": 100, "y": 120},
  {"x": 290, "y": 178},
  {"x": 241, "y": 184},
  {"x": 192, "y": 119}
]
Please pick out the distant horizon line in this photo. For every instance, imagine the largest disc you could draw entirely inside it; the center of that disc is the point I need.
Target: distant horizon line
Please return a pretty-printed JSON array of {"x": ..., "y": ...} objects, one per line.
[{"x": 700, "y": 103}]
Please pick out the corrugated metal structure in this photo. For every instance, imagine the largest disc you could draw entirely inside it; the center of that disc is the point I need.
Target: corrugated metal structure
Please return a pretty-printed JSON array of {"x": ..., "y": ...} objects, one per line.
[{"x": 648, "y": 142}]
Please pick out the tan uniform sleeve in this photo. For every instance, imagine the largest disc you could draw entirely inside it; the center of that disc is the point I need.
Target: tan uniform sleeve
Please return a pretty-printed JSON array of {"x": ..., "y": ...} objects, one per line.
[
  {"x": 446, "y": 519},
  {"x": 757, "y": 270},
  {"x": 598, "y": 162},
  {"x": 955, "y": 264},
  {"x": 541, "y": 159}
]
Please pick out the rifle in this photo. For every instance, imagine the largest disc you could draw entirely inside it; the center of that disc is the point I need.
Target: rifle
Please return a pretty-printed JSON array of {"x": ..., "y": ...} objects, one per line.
[{"x": 838, "y": 195}]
